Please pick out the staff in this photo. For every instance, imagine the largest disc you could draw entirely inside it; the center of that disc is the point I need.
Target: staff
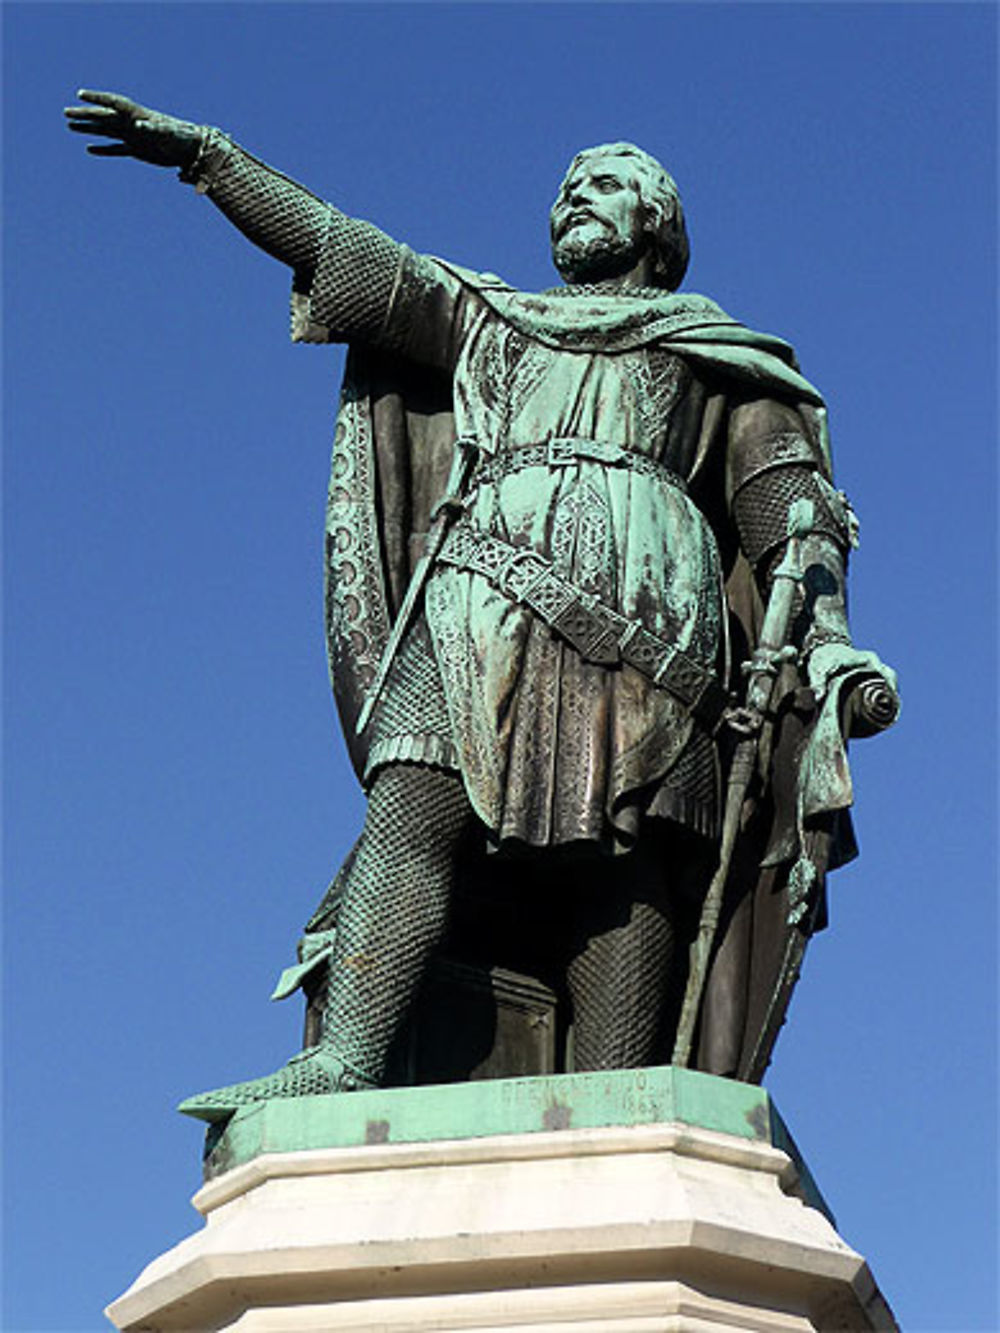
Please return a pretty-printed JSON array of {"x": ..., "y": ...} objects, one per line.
[{"x": 772, "y": 652}]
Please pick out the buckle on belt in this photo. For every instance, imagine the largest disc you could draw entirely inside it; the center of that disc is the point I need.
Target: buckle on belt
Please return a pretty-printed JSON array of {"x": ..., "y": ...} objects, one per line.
[
  {"x": 520, "y": 573},
  {"x": 563, "y": 450},
  {"x": 560, "y": 451}
]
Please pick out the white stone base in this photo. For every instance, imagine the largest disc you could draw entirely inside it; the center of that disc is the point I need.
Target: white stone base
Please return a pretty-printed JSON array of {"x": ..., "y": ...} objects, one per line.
[{"x": 665, "y": 1227}]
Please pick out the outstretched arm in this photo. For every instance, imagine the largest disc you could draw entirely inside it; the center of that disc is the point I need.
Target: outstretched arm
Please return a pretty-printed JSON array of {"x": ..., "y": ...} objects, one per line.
[
  {"x": 276, "y": 213},
  {"x": 352, "y": 282}
]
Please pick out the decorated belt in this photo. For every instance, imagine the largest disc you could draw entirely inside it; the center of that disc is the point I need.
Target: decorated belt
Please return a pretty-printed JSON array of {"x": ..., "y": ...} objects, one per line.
[
  {"x": 564, "y": 451},
  {"x": 598, "y": 633}
]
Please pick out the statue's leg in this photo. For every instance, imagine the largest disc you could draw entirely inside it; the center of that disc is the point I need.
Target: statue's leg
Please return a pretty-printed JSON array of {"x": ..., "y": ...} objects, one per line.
[
  {"x": 394, "y": 910},
  {"x": 620, "y": 973},
  {"x": 393, "y": 914}
]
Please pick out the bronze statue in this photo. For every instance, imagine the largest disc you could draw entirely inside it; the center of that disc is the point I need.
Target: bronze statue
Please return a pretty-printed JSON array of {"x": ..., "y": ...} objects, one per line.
[{"x": 562, "y": 529}]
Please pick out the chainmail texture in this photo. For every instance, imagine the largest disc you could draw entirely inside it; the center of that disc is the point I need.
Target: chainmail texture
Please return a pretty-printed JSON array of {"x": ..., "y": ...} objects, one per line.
[
  {"x": 760, "y": 510},
  {"x": 394, "y": 911},
  {"x": 348, "y": 266},
  {"x": 621, "y": 972},
  {"x": 353, "y": 283},
  {"x": 411, "y": 723},
  {"x": 271, "y": 209},
  {"x": 689, "y": 793},
  {"x": 314, "y": 1071}
]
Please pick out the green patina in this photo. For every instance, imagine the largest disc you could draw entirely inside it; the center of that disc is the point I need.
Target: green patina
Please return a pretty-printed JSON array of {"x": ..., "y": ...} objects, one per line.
[
  {"x": 553, "y": 535},
  {"x": 626, "y": 1098}
]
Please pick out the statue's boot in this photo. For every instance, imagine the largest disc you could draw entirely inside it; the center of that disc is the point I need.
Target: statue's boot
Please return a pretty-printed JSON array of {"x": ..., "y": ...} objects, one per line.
[{"x": 316, "y": 1070}]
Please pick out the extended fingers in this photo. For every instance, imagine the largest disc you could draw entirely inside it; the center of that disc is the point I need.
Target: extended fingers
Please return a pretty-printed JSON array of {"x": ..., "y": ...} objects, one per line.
[
  {"x": 110, "y": 114},
  {"x": 97, "y": 120},
  {"x": 94, "y": 113},
  {"x": 112, "y": 127},
  {"x": 116, "y": 101}
]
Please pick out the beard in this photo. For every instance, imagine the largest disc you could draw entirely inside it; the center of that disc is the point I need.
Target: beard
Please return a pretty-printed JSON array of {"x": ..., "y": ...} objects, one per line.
[{"x": 594, "y": 258}]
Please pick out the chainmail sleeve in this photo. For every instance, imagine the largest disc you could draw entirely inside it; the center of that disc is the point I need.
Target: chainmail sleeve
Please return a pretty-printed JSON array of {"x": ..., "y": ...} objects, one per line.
[
  {"x": 421, "y": 314},
  {"x": 352, "y": 282},
  {"x": 772, "y": 462},
  {"x": 270, "y": 209},
  {"x": 347, "y": 294},
  {"x": 346, "y": 270}
]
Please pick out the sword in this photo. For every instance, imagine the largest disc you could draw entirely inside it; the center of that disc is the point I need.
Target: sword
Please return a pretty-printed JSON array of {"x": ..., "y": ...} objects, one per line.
[
  {"x": 772, "y": 652},
  {"x": 442, "y": 517}
]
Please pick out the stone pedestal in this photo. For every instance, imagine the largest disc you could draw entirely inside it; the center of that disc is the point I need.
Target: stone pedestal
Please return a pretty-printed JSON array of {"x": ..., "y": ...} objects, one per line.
[{"x": 625, "y": 1202}]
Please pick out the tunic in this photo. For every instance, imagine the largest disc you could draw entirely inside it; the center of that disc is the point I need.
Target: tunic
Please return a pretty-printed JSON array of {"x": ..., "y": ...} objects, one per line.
[
  {"x": 553, "y": 749},
  {"x": 522, "y": 701}
]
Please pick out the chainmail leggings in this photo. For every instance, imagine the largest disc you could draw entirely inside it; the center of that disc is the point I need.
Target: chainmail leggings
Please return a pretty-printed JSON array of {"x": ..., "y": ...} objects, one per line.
[
  {"x": 620, "y": 968},
  {"x": 395, "y": 909},
  {"x": 618, "y": 940}
]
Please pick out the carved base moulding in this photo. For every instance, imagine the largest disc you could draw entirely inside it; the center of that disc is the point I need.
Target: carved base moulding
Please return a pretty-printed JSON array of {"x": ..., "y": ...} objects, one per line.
[{"x": 625, "y": 1202}]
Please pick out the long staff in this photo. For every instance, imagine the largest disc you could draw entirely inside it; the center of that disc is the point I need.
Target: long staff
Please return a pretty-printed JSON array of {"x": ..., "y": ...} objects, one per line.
[{"x": 773, "y": 650}]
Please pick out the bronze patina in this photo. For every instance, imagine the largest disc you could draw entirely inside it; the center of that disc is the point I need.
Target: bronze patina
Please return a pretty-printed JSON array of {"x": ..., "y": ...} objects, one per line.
[{"x": 586, "y": 624}]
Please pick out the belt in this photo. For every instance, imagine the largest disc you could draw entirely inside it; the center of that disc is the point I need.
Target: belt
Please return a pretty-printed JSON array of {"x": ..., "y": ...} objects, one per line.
[
  {"x": 598, "y": 633},
  {"x": 564, "y": 451}
]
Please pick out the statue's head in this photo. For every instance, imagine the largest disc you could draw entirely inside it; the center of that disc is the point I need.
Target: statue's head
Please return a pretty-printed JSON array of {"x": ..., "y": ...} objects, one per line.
[{"x": 616, "y": 203}]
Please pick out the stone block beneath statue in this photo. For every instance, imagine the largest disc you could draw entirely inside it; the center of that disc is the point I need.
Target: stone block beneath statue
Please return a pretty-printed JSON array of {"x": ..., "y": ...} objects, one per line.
[{"x": 626, "y": 1202}]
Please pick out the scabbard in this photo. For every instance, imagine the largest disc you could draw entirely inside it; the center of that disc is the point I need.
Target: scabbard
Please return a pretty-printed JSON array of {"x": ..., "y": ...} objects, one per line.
[{"x": 444, "y": 515}]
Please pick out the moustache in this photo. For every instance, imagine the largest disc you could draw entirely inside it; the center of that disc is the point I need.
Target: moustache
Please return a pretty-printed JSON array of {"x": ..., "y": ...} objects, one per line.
[{"x": 574, "y": 219}]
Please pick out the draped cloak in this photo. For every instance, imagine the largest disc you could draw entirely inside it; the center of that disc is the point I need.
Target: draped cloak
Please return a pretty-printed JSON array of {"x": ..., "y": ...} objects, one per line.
[{"x": 392, "y": 454}]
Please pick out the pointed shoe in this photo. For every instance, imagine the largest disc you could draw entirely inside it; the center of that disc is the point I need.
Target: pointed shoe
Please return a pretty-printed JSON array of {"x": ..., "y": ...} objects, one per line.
[{"x": 313, "y": 1071}]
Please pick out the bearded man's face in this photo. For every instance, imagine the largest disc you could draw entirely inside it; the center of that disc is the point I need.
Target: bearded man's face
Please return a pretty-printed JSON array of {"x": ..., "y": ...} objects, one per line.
[{"x": 598, "y": 221}]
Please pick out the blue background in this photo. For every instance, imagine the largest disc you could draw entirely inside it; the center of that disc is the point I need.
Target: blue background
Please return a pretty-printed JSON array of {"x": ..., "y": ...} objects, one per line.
[{"x": 177, "y": 792}]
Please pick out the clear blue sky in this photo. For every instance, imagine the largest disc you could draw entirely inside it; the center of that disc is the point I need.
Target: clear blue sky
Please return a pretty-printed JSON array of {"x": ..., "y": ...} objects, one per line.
[{"x": 177, "y": 793}]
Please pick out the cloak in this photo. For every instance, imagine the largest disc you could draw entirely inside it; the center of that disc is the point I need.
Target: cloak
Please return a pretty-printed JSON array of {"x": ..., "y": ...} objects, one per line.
[{"x": 392, "y": 455}]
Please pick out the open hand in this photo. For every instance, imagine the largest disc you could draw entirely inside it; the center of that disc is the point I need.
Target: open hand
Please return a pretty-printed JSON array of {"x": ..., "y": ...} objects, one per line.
[{"x": 136, "y": 131}]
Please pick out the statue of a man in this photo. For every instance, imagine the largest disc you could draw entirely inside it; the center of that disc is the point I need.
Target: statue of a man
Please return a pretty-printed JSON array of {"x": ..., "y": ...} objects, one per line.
[{"x": 598, "y": 479}]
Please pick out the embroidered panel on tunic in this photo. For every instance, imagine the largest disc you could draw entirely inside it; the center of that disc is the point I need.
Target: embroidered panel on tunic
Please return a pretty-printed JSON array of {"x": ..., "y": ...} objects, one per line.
[{"x": 550, "y": 746}]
